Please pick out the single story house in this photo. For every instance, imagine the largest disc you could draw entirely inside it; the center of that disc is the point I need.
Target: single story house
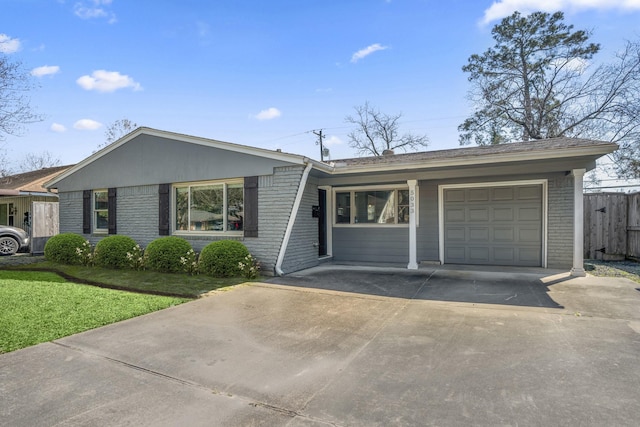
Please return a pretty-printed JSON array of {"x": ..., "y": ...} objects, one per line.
[
  {"x": 512, "y": 204},
  {"x": 17, "y": 192}
]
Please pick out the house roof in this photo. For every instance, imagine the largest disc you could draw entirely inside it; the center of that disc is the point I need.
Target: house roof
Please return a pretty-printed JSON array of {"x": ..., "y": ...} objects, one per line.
[
  {"x": 244, "y": 149},
  {"x": 554, "y": 148},
  {"x": 29, "y": 182}
]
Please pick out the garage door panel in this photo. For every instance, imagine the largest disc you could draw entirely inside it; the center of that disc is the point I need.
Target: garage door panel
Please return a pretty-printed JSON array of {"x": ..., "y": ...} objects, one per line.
[
  {"x": 479, "y": 233},
  {"x": 504, "y": 255},
  {"x": 533, "y": 192},
  {"x": 454, "y": 196},
  {"x": 503, "y": 214},
  {"x": 454, "y": 234},
  {"x": 530, "y": 235},
  {"x": 455, "y": 215},
  {"x": 478, "y": 195},
  {"x": 479, "y": 214},
  {"x": 494, "y": 225},
  {"x": 529, "y": 214},
  {"x": 502, "y": 194},
  {"x": 504, "y": 234},
  {"x": 479, "y": 254}
]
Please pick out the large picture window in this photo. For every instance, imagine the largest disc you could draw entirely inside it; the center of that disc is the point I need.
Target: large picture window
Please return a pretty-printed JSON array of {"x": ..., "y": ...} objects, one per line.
[
  {"x": 375, "y": 206},
  {"x": 209, "y": 207}
]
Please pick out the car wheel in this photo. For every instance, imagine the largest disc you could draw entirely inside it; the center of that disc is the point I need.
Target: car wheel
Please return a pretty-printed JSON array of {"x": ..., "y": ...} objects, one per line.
[{"x": 8, "y": 246}]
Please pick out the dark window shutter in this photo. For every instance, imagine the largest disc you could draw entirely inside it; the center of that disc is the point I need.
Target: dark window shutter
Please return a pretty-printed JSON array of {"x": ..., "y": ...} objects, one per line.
[
  {"x": 251, "y": 206},
  {"x": 163, "y": 213},
  {"x": 111, "y": 213},
  {"x": 86, "y": 212}
]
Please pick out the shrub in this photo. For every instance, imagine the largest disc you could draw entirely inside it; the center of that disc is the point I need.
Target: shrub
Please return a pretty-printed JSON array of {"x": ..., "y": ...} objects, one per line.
[
  {"x": 135, "y": 258},
  {"x": 249, "y": 267},
  {"x": 222, "y": 258},
  {"x": 86, "y": 254},
  {"x": 62, "y": 248},
  {"x": 164, "y": 254},
  {"x": 111, "y": 252}
]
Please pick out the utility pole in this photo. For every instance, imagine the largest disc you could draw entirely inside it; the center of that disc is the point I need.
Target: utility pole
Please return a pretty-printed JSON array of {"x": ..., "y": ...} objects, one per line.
[{"x": 320, "y": 136}]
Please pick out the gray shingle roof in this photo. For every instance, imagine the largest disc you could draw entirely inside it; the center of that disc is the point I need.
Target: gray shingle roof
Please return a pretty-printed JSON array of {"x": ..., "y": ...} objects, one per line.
[{"x": 470, "y": 152}]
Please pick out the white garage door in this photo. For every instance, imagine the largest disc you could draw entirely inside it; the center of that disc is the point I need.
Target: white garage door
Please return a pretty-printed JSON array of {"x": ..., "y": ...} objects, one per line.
[{"x": 493, "y": 225}]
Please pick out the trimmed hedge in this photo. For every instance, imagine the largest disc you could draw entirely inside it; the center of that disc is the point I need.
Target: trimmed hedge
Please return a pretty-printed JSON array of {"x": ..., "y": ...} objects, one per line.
[
  {"x": 111, "y": 252},
  {"x": 222, "y": 258},
  {"x": 63, "y": 248},
  {"x": 164, "y": 254}
]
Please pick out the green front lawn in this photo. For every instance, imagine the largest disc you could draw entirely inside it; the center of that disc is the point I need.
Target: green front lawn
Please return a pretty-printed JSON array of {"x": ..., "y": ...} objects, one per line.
[
  {"x": 146, "y": 281},
  {"x": 37, "y": 307}
]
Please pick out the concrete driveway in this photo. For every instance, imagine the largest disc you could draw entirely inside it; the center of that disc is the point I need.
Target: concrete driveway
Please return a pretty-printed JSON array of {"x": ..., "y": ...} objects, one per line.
[{"x": 345, "y": 346}]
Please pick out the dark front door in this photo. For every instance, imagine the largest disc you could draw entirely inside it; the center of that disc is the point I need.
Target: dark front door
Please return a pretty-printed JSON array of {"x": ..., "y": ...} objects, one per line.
[{"x": 322, "y": 223}]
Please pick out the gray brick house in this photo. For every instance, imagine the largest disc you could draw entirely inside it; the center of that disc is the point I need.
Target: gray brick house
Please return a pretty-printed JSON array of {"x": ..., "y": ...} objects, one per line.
[{"x": 511, "y": 204}]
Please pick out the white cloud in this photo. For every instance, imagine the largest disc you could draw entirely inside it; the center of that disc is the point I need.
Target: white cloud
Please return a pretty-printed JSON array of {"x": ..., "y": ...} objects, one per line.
[
  {"x": 91, "y": 9},
  {"x": 107, "y": 81},
  {"x": 367, "y": 51},
  {"x": 332, "y": 140},
  {"x": 57, "y": 127},
  {"x": 87, "y": 124},
  {"x": 268, "y": 114},
  {"x": 45, "y": 70},
  {"x": 9, "y": 45},
  {"x": 503, "y": 8}
]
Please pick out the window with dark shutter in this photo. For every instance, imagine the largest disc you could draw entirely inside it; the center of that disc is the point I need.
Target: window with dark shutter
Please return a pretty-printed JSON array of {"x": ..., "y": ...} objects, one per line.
[
  {"x": 86, "y": 211},
  {"x": 112, "y": 194},
  {"x": 251, "y": 206},
  {"x": 164, "y": 194}
]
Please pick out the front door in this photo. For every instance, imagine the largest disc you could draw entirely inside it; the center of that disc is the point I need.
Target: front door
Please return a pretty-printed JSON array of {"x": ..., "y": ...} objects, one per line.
[{"x": 322, "y": 222}]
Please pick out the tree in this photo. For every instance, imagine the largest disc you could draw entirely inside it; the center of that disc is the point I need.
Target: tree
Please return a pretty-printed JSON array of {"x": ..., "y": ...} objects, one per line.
[
  {"x": 37, "y": 161},
  {"x": 117, "y": 130},
  {"x": 538, "y": 81},
  {"x": 5, "y": 168},
  {"x": 377, "y": 132},
  {"x": 15, "y": 108}
]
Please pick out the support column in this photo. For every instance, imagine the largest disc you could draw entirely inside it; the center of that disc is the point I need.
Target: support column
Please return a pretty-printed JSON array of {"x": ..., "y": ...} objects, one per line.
[
  {"x": 578, "y": 223},
  {"x": 413, "y": 225}
]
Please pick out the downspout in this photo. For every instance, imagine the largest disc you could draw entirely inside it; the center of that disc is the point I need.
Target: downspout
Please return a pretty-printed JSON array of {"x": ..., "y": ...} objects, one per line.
[{"x": 292, "y": 220}]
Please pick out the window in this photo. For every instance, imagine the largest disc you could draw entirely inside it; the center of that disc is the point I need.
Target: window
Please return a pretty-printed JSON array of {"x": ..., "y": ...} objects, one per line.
[
  {"x": 209, "y": 207},
  {"x": 100, "y": 211},
  {"x": 379, "y": 206}
]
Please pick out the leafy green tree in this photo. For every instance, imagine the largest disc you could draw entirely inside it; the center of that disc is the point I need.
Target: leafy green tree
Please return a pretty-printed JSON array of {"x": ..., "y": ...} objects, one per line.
[{"x": 538, "y": 81}]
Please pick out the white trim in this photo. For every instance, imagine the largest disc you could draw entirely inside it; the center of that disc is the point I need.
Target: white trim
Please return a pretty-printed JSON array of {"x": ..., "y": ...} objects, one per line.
[
  {"x": 545, "y": 197},
  {"x": 94, "y": 222},
  {"x": 292, "y": 219},
  {"x": 578, "y": 223},
  {"x": 414, "y": 201},
  {"x": 327, "y": 217}
]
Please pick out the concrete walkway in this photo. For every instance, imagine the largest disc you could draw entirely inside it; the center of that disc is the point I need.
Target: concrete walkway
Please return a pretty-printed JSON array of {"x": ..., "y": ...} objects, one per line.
[{"x": 301, "y": 354}]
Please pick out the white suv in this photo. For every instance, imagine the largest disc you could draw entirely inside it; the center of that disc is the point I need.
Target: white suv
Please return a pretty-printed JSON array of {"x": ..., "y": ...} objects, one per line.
[{"x": 12, "y": 239}]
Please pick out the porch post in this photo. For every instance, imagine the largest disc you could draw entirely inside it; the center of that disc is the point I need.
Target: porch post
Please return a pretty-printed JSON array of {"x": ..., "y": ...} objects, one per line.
[
  {"x": 578, "y": 223},
  {"x": 413, "y": 199}
]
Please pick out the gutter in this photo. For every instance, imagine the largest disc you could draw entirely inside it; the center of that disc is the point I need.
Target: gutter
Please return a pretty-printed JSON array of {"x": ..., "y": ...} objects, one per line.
[{"x": 292, "y": 219}]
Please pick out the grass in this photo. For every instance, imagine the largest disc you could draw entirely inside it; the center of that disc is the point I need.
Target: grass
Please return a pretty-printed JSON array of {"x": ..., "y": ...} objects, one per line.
[
  {"x": 37, "y": 307},
  {"x": 44, "y": 301},
  {"x": 181, "y": 285}
]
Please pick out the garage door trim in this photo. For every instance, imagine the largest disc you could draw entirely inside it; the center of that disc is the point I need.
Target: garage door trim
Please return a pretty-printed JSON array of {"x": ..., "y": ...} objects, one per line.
[{"x": 443, "y": 187}]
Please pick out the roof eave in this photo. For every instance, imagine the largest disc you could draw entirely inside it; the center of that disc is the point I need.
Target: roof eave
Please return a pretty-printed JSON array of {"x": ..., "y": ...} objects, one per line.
[{"x": 572, "y": 152}]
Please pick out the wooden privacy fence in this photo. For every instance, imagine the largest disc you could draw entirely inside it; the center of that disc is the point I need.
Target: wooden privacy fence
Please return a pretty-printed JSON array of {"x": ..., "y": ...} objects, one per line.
[
  {"x": 611, "y": 226},
  {"x": 44, "y": 224}
]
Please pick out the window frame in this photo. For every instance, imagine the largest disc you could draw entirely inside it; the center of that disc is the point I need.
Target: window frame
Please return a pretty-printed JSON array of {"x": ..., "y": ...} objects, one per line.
[
  {"x": 95, "y": 211},
  {"x": 225, "y": 183},
  {"x": 352, "y": 206}
]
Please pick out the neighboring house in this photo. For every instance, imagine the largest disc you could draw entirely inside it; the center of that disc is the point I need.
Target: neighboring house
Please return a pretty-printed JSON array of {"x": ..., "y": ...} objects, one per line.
[
  {"x": 511, "y": 204},
  {"x": 18, "y": 191}
]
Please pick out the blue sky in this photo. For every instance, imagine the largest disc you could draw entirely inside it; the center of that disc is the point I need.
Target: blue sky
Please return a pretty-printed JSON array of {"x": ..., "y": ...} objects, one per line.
[{"x": 261, "y": 73}]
